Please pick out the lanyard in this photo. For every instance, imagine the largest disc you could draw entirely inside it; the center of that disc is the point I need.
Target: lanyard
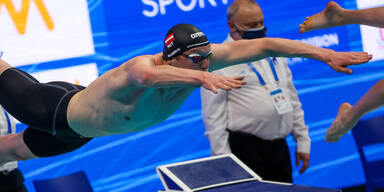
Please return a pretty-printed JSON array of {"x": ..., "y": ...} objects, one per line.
[
  {"x": 272, "y": 63},
  {"x": 8, "y": 121}
]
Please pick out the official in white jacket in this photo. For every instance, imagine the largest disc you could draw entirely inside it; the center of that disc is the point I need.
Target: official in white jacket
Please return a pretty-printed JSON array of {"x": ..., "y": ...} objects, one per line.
[{"x": 253, "y": 122}]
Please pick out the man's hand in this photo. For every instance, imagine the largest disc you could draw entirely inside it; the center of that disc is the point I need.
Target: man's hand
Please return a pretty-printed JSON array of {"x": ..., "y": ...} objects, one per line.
[
  {"x": 304, "y": 157},
  {"x": 339, "y": 61},
  {"x": 213, "y": 82}
]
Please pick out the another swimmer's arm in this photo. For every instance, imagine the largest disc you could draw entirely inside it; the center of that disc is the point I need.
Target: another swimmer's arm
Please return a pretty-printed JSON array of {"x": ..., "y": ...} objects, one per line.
[{"x": 244, "y": 51}]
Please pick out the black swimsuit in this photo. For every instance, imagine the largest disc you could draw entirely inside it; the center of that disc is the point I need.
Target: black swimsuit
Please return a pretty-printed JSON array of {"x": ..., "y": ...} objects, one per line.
[{"x": 43, "y": 107}]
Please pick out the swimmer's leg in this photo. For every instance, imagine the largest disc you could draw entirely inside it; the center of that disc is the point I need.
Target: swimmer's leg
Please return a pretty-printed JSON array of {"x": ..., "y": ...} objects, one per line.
[
  {"x": 13, "y": 148},
  {"x": 24, "y": 98},
  {"x": 331, "y": 16},
  {"x": 34, "y": 143}
]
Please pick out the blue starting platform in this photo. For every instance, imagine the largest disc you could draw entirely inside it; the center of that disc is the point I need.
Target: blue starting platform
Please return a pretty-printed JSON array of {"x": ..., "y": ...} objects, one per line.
[{"x": 224, "y": 173}]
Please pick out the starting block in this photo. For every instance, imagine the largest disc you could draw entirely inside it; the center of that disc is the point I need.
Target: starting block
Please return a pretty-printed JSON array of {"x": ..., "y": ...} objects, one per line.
[{"x": 225, "y": 173}]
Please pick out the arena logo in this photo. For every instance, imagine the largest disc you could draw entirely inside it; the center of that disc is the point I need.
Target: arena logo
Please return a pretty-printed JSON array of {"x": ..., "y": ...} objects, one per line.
[
  {"x": 19, "y": 18},
  {"x": 196, "y": 35},
  {"x": 159, "y": 6}
]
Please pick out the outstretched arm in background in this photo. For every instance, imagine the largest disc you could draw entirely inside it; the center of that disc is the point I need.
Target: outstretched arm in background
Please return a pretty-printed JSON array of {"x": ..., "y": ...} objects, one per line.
[{"x": 244, "y": 51}]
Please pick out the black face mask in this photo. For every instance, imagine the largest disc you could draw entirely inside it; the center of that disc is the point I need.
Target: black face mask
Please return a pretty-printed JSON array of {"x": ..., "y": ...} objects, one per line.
[{"x": 255, "y": 33}]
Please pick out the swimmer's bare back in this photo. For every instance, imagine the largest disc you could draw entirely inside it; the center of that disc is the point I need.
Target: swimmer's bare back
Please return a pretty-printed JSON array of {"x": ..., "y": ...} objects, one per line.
[{"x": 118, "y": 102}]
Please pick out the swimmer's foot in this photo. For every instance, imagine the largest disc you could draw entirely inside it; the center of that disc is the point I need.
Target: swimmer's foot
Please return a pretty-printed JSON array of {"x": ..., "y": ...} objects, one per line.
[
  {"x": 342, "y": 123},
  {"x": 331, "y": 16}
]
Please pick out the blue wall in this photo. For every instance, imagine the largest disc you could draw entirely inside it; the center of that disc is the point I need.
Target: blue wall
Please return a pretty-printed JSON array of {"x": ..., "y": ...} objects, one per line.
[{"x": 121, "y": 30}]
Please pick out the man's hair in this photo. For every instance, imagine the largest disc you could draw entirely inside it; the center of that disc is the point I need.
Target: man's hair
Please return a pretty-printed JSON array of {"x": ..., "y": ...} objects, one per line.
[{"x": 234, "y": 7}]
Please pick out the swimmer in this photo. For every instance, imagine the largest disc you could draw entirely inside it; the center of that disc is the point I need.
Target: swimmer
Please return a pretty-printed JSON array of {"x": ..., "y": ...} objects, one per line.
[{"x": 140, "y": 93}]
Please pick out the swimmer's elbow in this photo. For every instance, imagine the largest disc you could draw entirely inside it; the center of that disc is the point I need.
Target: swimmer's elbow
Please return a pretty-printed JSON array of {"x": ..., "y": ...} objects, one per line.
[
  {"x": 147, "y": 78},
  {"x": 142, "y": 78}
]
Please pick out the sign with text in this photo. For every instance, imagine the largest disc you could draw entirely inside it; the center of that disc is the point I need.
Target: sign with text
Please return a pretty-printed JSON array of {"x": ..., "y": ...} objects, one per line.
[{"x": 34, "y": 31}]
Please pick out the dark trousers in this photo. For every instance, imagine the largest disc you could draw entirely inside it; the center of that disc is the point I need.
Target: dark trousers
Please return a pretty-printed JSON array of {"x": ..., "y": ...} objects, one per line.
[
  {"x": 269, "y": 159},
  {"x": 12, "y": 181}
]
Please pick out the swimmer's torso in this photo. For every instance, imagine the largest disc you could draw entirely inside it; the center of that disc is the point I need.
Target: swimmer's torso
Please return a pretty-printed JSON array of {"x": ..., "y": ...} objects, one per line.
[{"x": 108, "y": 106}]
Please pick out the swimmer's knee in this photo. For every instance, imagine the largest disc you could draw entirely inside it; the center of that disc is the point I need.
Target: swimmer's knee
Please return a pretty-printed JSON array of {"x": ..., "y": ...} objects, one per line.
[
  {"x": 11, "y": 149},
  {"x": 22, "y": 152},
  {"x": 4, "y": 66}
]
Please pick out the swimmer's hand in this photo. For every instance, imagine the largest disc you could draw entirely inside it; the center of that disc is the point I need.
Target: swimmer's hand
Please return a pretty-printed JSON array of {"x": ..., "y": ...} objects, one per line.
[
  {"x": 214, "y": 82},
  {"x": 339, "y": 61}
]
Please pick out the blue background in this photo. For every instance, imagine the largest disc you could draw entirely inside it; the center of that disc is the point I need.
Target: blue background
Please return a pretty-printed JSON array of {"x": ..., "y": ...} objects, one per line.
[{"x": 127, "y": 162}]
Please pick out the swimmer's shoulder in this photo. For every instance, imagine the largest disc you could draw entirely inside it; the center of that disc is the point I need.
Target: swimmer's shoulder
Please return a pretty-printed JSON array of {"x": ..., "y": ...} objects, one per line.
[
  {"x": 136, "y": 69},
  {"x": 142, "y": 60}
]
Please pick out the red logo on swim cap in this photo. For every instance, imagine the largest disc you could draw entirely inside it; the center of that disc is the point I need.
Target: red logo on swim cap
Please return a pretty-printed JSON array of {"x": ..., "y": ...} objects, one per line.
[{"x": 169, "y": 39}]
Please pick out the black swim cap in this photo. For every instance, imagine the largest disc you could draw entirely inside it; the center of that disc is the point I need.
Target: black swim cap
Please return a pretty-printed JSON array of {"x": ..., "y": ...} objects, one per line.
[{"x": 181, "y": 38}]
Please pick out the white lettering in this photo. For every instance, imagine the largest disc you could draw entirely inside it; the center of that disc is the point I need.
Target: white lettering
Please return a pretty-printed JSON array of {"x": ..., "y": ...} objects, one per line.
[
  {"x": 201, "y": 4},
  {"x": 325, "y": 40},
  {"x": 174, "y": 52},
  {"x": 162, "y": 4},
  {"x": 196, "y": 35},
  {"x": 186, "y": 8},
  {"x": 294, "y": 60},
  {"x": 155, "y": 8},
  {"x": 159, "y": 6}
]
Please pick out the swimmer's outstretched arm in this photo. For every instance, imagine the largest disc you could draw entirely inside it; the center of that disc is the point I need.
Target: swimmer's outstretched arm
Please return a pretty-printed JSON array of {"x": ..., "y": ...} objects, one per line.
[
  {"x": 244, "y": 51},
  {"x": 142, "y": 71},
  {"x": 334, "y": 15}
]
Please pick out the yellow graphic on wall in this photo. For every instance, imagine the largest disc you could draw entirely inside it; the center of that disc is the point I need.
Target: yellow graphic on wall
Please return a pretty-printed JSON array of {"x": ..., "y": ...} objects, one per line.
[{"x": 20, "y": 18}]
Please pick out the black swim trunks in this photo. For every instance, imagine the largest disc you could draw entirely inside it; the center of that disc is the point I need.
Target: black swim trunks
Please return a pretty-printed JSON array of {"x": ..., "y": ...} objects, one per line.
[{"x": 43, "y": 107}]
